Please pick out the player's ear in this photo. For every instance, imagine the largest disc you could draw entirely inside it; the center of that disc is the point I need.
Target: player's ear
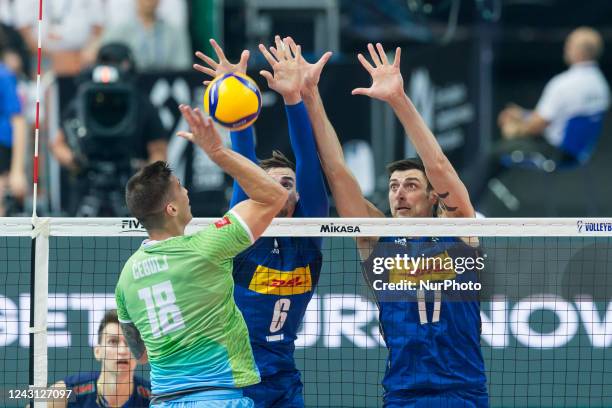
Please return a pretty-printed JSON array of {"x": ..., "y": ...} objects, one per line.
[
  {"x": 98, "y": 352},
  {"x": 297, "y": 195},
  {"x": 171, "y": 209}
]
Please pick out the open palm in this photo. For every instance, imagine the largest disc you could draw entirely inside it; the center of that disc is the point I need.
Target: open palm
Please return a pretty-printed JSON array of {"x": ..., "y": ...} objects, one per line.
[
  {"x": 311, "y": 73},
  {"x": 214, "y": 68},
  {"x": 203, "y": 132},
  {"x": 287, "y": 72},
  {"x": 387, "y": 81}
]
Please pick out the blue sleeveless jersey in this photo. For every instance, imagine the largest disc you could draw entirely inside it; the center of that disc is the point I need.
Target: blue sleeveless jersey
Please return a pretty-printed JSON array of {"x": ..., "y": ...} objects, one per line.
[
  {"x": 274, "y": 281},
  {"x": 85, "y": 392},
  {"x": 433, "y": 336}
]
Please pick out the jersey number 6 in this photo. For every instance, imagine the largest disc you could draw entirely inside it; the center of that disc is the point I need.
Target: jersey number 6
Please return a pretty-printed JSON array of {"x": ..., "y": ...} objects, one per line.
[{"x": 280, "y": 314}]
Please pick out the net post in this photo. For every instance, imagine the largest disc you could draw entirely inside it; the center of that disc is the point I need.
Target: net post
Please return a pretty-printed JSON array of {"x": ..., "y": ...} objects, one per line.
[{"x": 39, "y": 292}]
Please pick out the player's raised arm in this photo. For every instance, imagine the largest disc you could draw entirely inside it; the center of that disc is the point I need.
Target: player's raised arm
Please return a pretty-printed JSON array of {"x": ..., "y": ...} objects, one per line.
[
  {"x": 243, "y": 141},
  {"x": 266, "y": 196},
  {"x": 388, "y": 86},
  {"x": 287, "y": 78},
  {"x": 347, "y": 194}
]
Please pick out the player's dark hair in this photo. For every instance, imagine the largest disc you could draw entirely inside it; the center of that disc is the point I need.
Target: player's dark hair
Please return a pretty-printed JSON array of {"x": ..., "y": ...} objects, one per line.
[
  {"x": 278, "y": 159},
  {"x": 408, "y": 164},
  {"x": 147, "y": 192},
  {"x": 109, "y": 317}
]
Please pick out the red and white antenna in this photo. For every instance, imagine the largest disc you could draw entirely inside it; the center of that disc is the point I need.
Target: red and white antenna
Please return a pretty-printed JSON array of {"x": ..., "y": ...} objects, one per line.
[{"x": 37, "y": 122}]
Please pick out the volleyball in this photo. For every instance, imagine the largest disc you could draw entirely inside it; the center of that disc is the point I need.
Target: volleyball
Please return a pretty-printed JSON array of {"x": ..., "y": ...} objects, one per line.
[{"x": 233, "y": 100}]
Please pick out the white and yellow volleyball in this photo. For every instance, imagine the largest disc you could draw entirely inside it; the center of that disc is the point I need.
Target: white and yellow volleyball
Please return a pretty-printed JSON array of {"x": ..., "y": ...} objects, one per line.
[{"x": 233, "y": 100}]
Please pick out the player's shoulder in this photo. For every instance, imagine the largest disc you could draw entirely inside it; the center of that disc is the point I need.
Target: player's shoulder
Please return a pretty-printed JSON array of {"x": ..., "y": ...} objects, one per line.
[{"x": 230, "y": 224}]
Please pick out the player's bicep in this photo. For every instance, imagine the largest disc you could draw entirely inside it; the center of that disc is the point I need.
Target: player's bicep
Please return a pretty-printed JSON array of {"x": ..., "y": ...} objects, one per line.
[{"x": 452, "y": 193}]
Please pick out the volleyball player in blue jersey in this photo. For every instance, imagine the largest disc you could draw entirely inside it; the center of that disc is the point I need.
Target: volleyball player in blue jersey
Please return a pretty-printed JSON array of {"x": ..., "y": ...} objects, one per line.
[
  {"x": 275, "y": 278},
  {"x": 433, "y": 337}
]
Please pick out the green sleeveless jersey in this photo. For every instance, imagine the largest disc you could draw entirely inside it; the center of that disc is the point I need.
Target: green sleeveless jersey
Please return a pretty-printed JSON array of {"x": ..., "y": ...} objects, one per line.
[{"x": 179, "y": 295}]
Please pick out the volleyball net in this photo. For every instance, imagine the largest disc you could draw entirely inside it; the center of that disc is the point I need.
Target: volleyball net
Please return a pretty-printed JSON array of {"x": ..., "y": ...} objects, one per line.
[{"x": 545, "y": 301}]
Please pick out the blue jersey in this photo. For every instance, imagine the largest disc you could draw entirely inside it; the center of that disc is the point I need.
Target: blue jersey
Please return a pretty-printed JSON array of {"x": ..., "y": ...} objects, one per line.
[
  {"x": 9, "y": 105},
  {"x": 85, "y": 392},
  {"x": 275, "y": 279},
  {"x": 433, "y": 336}
]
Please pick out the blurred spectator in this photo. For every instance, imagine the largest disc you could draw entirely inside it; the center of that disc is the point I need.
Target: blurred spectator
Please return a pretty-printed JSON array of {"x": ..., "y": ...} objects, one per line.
[
  {"x": 566, "y": 123},
  {"x": 71, "y": 31},
  {"x": 147, "y": 141},
  {"x": 156, "y": 44},
  {"x": 119, "y": 12},
  {"x": 12, "y": 137},
  {"x": 16, "y": 54}
]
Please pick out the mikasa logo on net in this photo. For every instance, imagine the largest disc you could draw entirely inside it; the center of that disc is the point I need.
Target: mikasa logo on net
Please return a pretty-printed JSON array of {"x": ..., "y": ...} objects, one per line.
[{"x": 329, "y": 228}]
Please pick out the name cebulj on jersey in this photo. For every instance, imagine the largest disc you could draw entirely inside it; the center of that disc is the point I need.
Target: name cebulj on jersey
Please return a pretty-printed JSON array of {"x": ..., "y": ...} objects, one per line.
[{"x": 149, "y": 266}]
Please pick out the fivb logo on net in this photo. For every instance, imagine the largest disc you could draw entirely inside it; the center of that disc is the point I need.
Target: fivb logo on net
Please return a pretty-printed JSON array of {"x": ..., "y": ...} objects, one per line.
[
  {"x": 131, "y": 225},
  {"x": 593, "y": 226}
]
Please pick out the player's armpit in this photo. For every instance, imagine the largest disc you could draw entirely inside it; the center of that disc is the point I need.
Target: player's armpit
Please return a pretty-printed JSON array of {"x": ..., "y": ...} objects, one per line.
[{"x": 135, "y": 343}]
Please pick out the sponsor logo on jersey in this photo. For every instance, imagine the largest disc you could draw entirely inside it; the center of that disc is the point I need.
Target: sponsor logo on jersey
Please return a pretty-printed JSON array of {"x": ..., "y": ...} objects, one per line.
[
  {"x": 270, "y": 281},
  {"x": 401, "y": 241},
  {"x": 223, "y": 222},
  {"x": 432, "y": 268},
  {"x": 143, "y": 392},
  {"x": 83, "y": 389}
]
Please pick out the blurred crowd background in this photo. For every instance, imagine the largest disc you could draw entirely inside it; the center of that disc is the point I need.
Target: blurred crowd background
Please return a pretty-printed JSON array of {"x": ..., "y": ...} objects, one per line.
[{"x": 114, "y": 72}]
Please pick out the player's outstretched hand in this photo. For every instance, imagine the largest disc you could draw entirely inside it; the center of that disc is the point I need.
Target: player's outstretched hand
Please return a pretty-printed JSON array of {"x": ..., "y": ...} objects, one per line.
[
  {"x": 214, "y": 68},
  {"x": 311, "y": 73},
  {"x": 387, "y": 82},
  {"x": 203, "y": 132},
  {"x": 287, "y": 73}
]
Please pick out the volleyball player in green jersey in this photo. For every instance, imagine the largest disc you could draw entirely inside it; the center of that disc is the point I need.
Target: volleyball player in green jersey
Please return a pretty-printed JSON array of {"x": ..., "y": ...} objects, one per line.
[{"x": 175, "y": 294}]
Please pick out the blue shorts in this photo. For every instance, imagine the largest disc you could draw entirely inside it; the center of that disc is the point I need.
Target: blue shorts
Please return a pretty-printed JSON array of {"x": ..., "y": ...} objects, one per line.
[
  {"x": 462, "y": 398},
  {"x": 209, "y": 399},
  {"x": 281, "y": 390}
]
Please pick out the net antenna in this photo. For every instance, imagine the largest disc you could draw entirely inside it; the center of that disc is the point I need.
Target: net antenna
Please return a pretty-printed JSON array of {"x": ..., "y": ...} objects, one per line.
[{"x": 39, "y": 259}]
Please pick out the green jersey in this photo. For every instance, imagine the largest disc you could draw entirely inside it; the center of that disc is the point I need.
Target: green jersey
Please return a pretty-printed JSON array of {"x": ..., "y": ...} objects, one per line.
[{"x": 179, "y": 295}]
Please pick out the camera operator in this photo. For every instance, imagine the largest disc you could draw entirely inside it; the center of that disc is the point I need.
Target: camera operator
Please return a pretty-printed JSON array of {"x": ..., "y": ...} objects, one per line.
[{"x": 109, "y": 130}]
